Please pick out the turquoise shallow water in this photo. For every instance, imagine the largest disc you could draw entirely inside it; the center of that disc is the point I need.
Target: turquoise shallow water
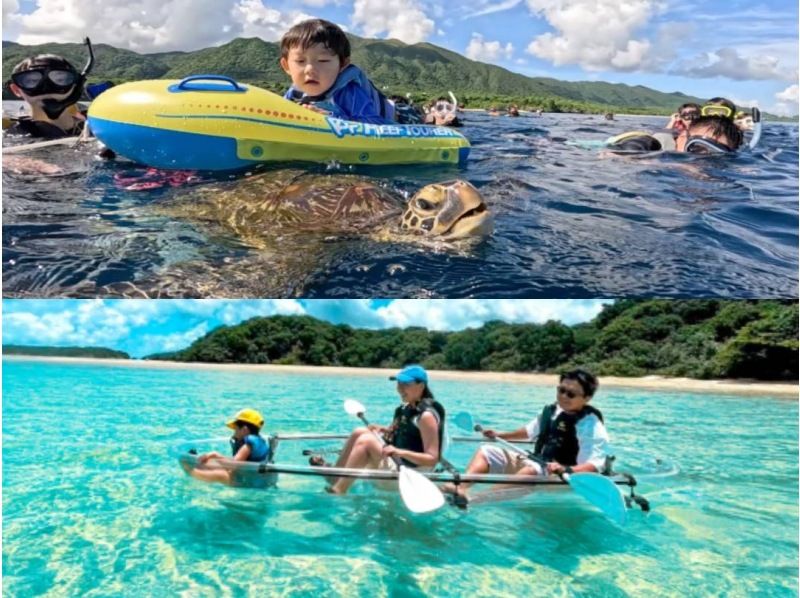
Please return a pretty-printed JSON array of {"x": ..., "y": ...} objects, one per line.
[{"x": 93, "y": 503}]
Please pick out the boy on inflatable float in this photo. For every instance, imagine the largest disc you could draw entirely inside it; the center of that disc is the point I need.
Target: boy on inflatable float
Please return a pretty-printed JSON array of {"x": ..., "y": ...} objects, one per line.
[{"x": 316, "y": 55}]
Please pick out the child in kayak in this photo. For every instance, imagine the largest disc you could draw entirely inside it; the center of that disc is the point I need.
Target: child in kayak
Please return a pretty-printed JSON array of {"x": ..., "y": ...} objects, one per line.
[
  {"x": 316, "y": 55},
  {"x": 569, "y": 435},
  {"x": 246, "y": 445}
]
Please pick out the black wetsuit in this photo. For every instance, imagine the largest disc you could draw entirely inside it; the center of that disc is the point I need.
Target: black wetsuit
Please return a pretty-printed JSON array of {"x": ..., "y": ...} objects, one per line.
[{"x": 43, "y": 130}]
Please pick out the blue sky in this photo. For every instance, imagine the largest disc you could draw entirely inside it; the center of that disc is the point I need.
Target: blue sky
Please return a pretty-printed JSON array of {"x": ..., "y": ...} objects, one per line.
[
  {"x": 747, "y": 51},
  {"x": 143, "y": 327}
]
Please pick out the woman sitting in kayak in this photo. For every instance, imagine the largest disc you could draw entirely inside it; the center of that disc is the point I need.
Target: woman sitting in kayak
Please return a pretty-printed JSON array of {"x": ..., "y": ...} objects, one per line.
[
  {"x": 569, "y": 434},
  {"x": 414, "y": 436}
]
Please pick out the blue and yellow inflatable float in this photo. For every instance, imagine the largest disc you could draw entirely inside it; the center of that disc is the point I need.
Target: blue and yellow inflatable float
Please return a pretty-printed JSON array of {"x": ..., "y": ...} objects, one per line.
[{"x": 211, "y": 122}]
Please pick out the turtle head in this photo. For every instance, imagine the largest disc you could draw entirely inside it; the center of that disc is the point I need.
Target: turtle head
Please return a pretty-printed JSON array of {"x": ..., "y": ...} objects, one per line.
[{"x": 452, "y": 210}]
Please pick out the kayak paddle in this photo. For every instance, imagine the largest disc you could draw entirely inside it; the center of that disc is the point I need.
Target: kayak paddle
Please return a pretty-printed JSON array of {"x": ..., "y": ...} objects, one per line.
[
  {"x": 593, "y": 487},
  {"x": 419, "y": 494}
]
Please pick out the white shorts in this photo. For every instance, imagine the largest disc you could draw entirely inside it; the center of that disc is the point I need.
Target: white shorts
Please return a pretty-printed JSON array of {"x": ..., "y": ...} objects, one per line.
[{"x": 503, "y": 461}]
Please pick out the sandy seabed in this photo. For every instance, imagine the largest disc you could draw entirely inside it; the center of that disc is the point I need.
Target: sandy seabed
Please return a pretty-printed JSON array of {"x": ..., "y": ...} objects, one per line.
[{"x": 656, "y": 383}]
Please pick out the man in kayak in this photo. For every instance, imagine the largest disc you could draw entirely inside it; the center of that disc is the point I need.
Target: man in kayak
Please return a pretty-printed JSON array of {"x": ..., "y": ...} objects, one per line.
[
  {"x": 247, "y": 444},
  {"x": 415, "y": 435},
  {"x": 569, "y": 437},
  {"x": 316, "y": 55}
]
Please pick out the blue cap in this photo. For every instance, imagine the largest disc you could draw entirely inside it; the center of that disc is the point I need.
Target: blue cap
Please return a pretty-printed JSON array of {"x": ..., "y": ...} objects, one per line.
[{"x": 411, "y": 373}]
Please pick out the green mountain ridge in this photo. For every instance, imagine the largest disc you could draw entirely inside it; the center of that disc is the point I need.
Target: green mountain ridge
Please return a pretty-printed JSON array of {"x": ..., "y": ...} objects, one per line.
[
  {"x": 45, "y": 351},
  {"x": 423, "y": 69},
  {"x": 689, "y": 338}
]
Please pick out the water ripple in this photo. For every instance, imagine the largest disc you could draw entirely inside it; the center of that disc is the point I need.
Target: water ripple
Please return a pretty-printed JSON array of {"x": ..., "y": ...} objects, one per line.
[{"x": 569, "y": 223}]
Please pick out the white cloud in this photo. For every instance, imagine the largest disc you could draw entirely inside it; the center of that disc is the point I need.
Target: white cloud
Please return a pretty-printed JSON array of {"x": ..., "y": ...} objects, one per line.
[
  {"x": 151, "y": 344},
  {"x": 143, "y": 327},
  {"x": 457, "y": 314},
  {"x": 253, "y": 19},
  {"x": 730, "y": 63},
  {"x": 402, "y": 19},
  {"x": 149, "y": 25},
  {"x": 9, "y": 8},
  {"x": 595, "y": 34},
  {"x": 486, "y": 51},
  {"x": 787, "y": 101},
  {"x": 489, "y": 7}
]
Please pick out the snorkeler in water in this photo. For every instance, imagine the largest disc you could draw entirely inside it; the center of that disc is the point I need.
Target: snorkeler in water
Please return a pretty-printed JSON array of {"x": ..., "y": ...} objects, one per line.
[{"x": 51, "y": 87}]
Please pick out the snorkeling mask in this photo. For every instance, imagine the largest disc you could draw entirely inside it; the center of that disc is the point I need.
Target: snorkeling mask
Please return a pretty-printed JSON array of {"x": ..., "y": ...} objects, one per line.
[
  {"x": 55, "y": 78},
  {"x": 701, "y": 145},
  {"x": 717, "y": 110},
  {"x": 443, "y": 107}
]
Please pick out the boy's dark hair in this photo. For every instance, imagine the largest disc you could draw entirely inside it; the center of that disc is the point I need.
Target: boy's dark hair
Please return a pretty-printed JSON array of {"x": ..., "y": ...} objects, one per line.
[
  {"x": 720, "y": 125},
  {"x": 587, "y": 380},
  {"x": 43, "y": 60},
  {"x": 689, "y": 105},
  {"x": 316, "y": 31},
  {"x": 723, "y": 102},
  {"x": 250, "y": 427}
]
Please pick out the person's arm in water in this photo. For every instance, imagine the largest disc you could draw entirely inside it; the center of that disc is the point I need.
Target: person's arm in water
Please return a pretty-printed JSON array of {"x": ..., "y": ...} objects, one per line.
[{"x": 429, "y": 430}]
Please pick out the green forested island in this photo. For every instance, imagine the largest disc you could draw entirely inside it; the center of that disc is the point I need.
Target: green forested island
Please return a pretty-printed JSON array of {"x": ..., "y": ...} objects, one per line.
[
  {"x": 93, "y": 352},
  {"x": 694, "y": 338},
  {"x": 424, "y": 70}
]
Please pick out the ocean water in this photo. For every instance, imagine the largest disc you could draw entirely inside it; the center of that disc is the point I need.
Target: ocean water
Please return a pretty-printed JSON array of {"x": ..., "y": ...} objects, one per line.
[
  {"x": 569, "y": 223},
  {"x": 94, "y": 503}
]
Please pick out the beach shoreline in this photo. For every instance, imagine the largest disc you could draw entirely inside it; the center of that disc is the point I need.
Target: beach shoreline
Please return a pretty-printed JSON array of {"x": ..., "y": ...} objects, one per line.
[{"x": 655, "y": 383}]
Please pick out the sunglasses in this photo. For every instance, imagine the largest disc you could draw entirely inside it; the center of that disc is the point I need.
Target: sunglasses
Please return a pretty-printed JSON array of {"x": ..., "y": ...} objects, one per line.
[
  {"x": 570, "y": 394},
  {"x": 717, "y": 110},
  {"x": 58, "y": 79},
  {"x": 689, "y": 115},
  {"x": 701, "y": 145}
]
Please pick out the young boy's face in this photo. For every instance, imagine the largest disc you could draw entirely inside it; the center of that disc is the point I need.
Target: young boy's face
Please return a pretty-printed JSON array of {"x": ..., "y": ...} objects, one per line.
[{"x": 313, "y": 70}]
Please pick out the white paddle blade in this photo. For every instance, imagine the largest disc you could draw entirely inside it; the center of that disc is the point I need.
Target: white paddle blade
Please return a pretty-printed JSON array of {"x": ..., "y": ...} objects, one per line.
[
  {"x": 419, "y": 494},
  {"x": 464, "y": 421},
  {"x": 602, "y": 493},
  {"x": 353, "y": 407}
]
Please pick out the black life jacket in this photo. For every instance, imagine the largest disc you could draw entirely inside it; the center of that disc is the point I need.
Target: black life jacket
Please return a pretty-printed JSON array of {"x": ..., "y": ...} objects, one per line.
[
  {"x": 558, "y": 440},
  {"x": 404, "y": 432},
  {"x": 41, "y": 129}
]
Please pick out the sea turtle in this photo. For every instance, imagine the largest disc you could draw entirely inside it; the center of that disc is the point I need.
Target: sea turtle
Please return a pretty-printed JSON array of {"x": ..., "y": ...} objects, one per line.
[
  {"x": 292, "y": 225},
  {"x": 260, "y": 208}
]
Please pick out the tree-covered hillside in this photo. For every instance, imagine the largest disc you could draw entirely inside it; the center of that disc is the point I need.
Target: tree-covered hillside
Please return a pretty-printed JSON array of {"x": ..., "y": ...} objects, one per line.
[
  {"x": 694, "y": 338},
  {"x": 422, "y": 69},
  {"x": 94, "y": 352}
]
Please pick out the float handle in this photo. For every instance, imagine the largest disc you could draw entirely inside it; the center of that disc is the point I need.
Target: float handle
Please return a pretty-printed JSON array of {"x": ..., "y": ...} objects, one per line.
[{"x": 184, "y": 84}]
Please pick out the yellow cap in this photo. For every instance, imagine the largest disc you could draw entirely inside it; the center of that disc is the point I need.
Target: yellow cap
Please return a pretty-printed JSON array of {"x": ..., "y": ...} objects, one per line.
[{"x": 250, "y": 416}]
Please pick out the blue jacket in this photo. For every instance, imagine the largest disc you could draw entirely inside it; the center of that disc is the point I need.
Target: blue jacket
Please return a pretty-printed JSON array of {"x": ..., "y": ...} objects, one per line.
[
  {"x": 259, "y": 449},
  {"x": 352, "y": 97}
]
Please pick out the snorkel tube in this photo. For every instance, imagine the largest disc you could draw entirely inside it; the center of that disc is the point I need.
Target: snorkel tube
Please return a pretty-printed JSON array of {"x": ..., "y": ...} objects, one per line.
[
  {"x": 52, "y": 107},
  {"x": 455, "y": 101},
  {"x": 756, "y": 114}
]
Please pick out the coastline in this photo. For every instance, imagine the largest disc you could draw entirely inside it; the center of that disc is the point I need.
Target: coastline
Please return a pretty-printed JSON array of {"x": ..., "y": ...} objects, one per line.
[{"x": 789, "y": 390}]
